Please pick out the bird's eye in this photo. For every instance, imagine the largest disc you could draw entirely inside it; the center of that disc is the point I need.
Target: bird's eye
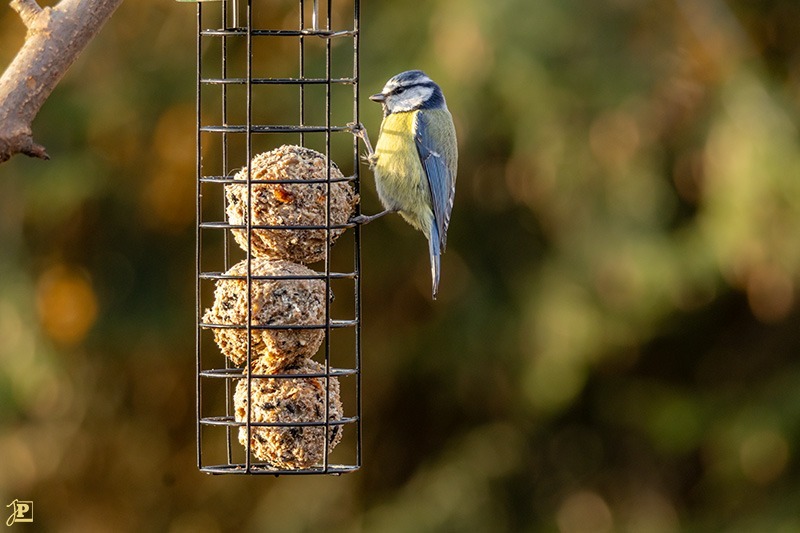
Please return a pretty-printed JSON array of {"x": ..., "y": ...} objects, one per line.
[{"x": 399, "y": 90}]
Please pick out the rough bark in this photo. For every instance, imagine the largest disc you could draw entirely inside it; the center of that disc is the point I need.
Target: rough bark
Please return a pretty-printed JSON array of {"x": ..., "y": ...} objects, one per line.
[{"x": 56, "y": 36}]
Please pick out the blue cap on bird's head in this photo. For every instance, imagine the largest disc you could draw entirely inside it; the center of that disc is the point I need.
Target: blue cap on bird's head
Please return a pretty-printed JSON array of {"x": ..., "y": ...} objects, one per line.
[
  {"x": 409, "y": 76},
  {"x": 409, "y": 90}
]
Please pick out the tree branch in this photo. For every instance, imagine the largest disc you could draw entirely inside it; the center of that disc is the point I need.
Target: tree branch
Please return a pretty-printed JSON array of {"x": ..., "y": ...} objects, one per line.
[
  {"x": 56, "y": 36},
  {"x": 28, "y": 10}
]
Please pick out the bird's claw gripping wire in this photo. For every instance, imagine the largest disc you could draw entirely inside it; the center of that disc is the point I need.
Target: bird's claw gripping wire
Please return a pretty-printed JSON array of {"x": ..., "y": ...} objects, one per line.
[{"x": 358, "y": 129}]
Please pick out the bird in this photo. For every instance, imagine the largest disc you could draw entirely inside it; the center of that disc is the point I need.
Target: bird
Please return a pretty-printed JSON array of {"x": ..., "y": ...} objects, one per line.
[{"x": 415, "y": 159}]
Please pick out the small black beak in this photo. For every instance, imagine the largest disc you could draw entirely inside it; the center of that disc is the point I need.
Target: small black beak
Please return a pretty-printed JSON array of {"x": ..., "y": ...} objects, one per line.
[{"x": 380, "y": 97}]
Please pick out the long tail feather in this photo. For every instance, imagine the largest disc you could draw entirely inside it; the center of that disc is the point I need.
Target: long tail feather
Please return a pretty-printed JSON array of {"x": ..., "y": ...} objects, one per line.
[{"x": 434, "y": 247}]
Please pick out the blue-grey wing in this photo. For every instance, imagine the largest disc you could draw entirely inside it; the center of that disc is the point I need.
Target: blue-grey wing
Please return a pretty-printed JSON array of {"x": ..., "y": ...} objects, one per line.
[{"x": 436, "y": 145}]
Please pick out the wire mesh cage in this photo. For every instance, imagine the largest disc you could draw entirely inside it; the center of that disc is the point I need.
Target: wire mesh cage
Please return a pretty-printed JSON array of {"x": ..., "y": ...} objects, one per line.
[{"x": 278, "y": 260}]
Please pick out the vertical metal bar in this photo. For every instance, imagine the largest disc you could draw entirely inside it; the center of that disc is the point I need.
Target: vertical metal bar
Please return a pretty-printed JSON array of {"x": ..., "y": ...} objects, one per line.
[
  {"x": 225, "y": 236},
  {"x": 357, "y": 229},
  {"x": 198, "y": 246},
  {"x": 248, "y": 224},
  {"x": 225, "y": 135},
  {"x": 315, "y": 16},
  {"x": 302, "y": 72},
  {"x": 327, "y": 235}
]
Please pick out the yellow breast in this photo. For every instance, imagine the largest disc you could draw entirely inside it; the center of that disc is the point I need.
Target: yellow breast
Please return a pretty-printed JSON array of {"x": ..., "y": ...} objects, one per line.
[
  {"x": 399, "y": 177},
  {"x": 396, "y": 151}
]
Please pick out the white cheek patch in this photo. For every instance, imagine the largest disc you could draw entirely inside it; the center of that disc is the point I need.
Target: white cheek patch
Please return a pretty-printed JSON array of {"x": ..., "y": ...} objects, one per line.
[{"x": 412, "y": 98}]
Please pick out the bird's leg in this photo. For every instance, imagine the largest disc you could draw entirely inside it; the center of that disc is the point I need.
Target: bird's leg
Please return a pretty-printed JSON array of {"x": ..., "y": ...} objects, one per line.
[
  {"x": 366, "y": 219},
  {"x": 360, "y": 131}
]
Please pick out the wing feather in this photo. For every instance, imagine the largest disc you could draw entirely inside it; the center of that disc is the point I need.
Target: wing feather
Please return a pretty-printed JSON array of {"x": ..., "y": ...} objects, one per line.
[{"x": 436, "y": 144}]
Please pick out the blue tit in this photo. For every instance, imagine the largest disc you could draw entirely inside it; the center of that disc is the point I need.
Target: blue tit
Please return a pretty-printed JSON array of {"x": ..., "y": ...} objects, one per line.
[{"x": 415, "y": 159}]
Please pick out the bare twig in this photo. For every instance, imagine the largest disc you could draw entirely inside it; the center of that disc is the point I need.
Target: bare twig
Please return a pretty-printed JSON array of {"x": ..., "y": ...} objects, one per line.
[
  {"x": 28, "y": 10},
  {"x": 56, "y": 36}
]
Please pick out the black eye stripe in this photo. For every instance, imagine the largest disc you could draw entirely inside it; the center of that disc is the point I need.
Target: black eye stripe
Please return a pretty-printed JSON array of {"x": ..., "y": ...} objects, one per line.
[{"x": 402, "y": 88}]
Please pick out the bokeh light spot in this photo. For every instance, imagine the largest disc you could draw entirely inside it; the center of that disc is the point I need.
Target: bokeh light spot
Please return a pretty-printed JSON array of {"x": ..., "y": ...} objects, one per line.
[
  {"x": 763, "y": 456},
  {"x": 770, "y": 293},
  {"x": 66, "y": 304},
  {"x": 584, "y": 512}
]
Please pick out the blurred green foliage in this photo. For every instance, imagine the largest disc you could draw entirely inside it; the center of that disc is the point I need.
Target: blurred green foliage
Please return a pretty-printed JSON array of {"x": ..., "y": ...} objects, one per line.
[{"x": 615, "y": 347}]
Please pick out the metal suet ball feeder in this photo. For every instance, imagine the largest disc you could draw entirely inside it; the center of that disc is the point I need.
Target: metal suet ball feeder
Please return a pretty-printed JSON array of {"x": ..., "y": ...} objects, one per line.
[{"x": 278, "y": 347}]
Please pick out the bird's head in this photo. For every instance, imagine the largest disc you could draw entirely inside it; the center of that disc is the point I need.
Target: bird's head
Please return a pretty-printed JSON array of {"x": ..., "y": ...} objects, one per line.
[{"x": 408, "y": 91}]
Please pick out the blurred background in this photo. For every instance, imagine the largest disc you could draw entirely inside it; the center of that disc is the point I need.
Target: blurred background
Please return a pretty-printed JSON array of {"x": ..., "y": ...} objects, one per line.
[{"x": 616, "y": 342}]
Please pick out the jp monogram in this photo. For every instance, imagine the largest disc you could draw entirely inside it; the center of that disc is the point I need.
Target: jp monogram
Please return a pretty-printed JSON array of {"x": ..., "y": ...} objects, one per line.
[{"x": 20, "y": 512}]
